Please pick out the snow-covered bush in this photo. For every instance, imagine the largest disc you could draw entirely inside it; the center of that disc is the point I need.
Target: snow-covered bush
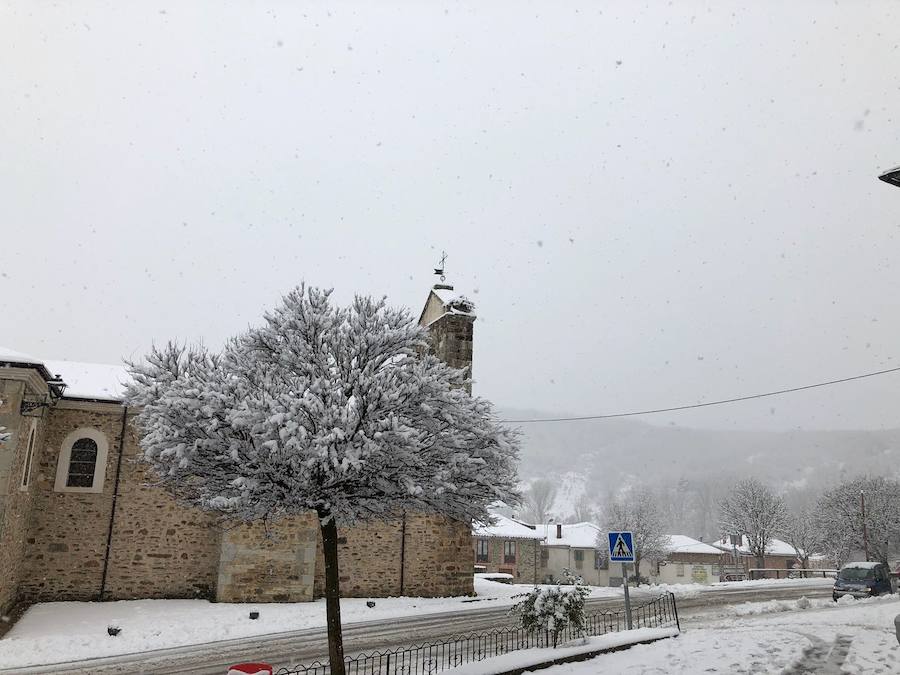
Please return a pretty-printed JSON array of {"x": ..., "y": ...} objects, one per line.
[{"x": 554, "y": 609}]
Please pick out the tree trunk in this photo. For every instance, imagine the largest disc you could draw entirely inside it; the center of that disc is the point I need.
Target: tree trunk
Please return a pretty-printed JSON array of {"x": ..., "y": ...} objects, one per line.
[
  {"x": 332, "y": 596},
  {"x": 760, "y": 561}
]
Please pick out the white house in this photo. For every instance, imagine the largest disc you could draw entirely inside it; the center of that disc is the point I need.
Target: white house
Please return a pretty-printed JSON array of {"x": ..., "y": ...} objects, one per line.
[{"x": 689, "y": 561}]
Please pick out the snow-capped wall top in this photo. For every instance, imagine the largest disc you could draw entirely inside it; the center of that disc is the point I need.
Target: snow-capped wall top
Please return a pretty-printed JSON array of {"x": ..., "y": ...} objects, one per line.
[
  {"x": 575, "y": 535},
  {"x": 507, "y": 528},
  {"x": 97, "y": 381},
  {"x": 679, "y": 543}
]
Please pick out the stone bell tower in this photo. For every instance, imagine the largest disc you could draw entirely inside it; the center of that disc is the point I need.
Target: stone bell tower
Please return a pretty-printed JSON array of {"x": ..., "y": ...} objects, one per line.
[{"x": 450, "y": 318}]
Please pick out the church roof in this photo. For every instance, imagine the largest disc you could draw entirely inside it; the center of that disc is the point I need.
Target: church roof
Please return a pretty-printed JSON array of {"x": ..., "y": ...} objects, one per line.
[{"x": 94, "y": 381}]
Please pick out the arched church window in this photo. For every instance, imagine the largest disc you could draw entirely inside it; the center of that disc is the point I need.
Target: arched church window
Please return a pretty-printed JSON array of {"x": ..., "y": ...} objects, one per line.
[{"x": 82, "y": 463}]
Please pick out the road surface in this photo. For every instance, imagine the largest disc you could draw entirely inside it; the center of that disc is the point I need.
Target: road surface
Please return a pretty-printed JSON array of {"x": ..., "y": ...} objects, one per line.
[{"x": 307, "y": 646}]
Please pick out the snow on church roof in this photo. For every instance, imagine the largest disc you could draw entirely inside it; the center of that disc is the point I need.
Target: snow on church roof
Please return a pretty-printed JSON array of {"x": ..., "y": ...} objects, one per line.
[
  {"x": 98, "y": 381},
  {"x": 91, "y": 380},
  {"x": 505, "y": 527}
]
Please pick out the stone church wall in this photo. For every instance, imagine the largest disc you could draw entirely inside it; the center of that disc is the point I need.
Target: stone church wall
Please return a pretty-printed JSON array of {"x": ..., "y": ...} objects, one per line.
[
  {"x": 158, "y": 549},
  {"x": 15, "y": 503}
]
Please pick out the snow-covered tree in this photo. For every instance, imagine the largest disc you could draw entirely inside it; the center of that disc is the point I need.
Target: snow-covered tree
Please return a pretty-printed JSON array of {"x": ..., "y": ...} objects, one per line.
[
  {"x": 751, "y": 509},
  {"x": 802, "y": 532},
  {"x": 840, "y": 517},
  {"x": 338, "y": 410},
  {"x": 637, "y": 511},
  {"x": 554, "y": 608},
  {"x": 538, "y": 500}
]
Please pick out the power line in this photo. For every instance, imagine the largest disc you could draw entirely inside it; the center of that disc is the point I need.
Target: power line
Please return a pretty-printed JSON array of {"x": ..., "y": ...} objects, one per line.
[{"x": 703, "y": 405}]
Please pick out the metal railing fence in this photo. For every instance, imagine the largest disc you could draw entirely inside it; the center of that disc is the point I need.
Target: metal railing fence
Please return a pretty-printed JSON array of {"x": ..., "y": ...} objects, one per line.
[{"x": 432, "y": 657}]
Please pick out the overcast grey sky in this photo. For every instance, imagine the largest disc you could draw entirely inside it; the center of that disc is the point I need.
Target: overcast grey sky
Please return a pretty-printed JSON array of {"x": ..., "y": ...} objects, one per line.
[{"x": 650, "y": 205}]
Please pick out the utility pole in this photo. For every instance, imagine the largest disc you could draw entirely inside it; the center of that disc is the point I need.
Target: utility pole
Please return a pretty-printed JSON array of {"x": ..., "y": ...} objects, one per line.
[{"x": 862, "y": 508}]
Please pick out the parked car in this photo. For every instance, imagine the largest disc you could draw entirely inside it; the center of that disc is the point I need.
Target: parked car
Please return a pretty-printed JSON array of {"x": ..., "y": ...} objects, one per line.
[{"x": 862, "y": 580}]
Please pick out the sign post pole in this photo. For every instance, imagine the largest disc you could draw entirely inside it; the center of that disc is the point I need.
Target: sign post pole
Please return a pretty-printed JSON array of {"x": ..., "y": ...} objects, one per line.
[{"x": 621, "y": 549}]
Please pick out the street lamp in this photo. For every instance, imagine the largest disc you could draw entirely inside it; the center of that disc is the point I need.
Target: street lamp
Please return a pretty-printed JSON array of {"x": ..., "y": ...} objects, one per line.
[{"x": 892, "y": 176}]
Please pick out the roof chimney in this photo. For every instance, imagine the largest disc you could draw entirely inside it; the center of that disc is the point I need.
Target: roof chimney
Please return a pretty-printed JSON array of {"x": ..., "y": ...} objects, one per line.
[{"x": 559, "y": 530}]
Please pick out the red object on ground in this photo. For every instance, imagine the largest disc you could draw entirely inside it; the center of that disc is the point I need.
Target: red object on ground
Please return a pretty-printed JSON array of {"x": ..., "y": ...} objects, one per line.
[{"x": 250, "y": 668}]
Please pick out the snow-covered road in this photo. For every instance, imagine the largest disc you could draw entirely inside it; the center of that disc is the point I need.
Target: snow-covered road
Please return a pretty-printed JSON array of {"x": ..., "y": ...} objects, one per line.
[
  {"x": 785, "y": 637},
  {"x": 206, "y": 634}
]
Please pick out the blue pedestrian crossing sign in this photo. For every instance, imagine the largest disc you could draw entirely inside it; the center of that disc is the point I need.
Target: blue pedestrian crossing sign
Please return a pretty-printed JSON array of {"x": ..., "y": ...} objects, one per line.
[{"x": 621, "y": 547}]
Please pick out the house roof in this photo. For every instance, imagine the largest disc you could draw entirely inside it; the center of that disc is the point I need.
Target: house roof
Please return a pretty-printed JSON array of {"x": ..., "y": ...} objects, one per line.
[
  {"x": 574, "y": 535},
  {"x": 506, "y": 528},
  {"x": 95, "y": 381},
  {"x": 679, "y": 543},
  {"x": 775, "y": 547}
]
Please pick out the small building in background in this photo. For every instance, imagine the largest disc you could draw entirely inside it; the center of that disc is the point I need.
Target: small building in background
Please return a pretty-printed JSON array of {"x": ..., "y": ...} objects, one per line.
[
  {"x": 689, "y": 561},
  {"x": 572, "y": 547},
  {"x": 508, "y": 547}
]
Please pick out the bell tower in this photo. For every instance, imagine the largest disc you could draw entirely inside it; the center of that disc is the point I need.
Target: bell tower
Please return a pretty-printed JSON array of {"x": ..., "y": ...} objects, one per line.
[{"x": 449, "y": 318}]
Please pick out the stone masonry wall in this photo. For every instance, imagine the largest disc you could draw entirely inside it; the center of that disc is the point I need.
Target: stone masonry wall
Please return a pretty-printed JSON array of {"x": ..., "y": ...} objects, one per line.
[
  {"x": 368, "y": 560},
  {"x": 15, "y": 503},
  {"x": 158, "y": 549},
  {"x": 437, "y": 559},
  {"x": 451, "y": 339},
  {"x": 274, "y": 564}
]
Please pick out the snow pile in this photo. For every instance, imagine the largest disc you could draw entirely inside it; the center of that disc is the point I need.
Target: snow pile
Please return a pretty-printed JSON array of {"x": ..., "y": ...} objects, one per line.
[
  {"x": 774, "y": 606},
  {"x": 835, "y": 638}
]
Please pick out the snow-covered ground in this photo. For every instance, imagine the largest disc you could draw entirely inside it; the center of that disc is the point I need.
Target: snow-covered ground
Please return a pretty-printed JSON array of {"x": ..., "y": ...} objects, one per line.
[
  {"x": 802, "y": 636},
  {"x": 65, "y": 631}
]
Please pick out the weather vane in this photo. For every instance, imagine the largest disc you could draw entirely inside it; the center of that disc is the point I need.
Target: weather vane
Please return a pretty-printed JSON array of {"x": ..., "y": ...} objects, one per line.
[{"x": 440, "y": 270}]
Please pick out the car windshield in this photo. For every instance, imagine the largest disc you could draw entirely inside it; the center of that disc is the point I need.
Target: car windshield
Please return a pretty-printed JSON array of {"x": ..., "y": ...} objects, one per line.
[{"x": 857, "y": 573}]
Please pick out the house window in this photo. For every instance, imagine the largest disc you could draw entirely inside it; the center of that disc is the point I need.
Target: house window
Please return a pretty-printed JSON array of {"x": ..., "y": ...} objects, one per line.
[
  {"x": 482, "y": 550},
  {"x": 679, "y": 570},
  {"x": 29, "y": 455},
  {"x": 579, "y": 560},
  {"x": 509, "y": 551},
  {"x": 82, "y": 462}
]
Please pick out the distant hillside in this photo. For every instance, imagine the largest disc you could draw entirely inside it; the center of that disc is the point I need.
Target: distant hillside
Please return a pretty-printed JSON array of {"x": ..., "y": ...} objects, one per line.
[{"x": 692, "y": 468}]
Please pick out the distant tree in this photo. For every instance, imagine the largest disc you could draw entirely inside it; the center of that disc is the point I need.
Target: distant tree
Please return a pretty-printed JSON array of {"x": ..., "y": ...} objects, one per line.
[
  {"x": 584, "y": 510},
  {"x": 539, "y": 500},
  {"x": 337, "y": 410},
  {"x": 802, "y": 532},
  {"x": 841, "y": 520},
  {"x": 637, "y": 511},
  {"x": 754, "y": 511}
]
